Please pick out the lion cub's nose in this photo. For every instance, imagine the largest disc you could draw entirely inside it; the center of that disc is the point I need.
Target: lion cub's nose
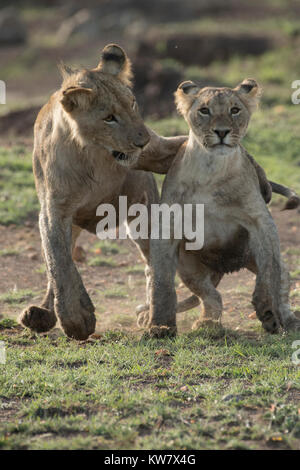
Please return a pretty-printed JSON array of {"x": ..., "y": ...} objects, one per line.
[
  {"x": 142, "y": 138},
  {"x": 222, "y": 133}
]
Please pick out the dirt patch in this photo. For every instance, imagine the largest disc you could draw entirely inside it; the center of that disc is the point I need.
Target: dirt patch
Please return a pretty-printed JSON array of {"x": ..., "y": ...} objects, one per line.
[
  {"x": 116, "y": 292},
  {"x": 8, "y": 410},
  {"x": 19, "y": 122},
  {"x": 202, "y": 49}
]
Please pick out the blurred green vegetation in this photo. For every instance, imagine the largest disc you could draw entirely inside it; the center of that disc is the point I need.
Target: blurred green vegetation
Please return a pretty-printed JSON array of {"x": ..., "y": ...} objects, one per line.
[
  {"x": 272, "y": 139},
  {"x": 18, "y": 200}
]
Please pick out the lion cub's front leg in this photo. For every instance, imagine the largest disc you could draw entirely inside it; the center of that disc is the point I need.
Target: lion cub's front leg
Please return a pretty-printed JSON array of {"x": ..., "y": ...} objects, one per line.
[
  {"x": 72, "y": 304},
  {"x": 270, "y": 297},
  {"x": 42, "y": 318},
  {"x": 163, "y": 301}
]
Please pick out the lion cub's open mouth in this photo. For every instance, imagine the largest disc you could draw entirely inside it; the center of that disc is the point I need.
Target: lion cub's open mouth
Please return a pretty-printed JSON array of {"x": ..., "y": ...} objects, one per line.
[
  {"x": 221, "y": 144},
  {"x": 119, "y": 155}
]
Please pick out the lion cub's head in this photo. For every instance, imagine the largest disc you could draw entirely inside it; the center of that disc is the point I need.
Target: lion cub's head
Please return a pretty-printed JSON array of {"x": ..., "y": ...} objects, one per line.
[
  {"x": 101, "y": 108},
  {"x": 218, "y": 117}
]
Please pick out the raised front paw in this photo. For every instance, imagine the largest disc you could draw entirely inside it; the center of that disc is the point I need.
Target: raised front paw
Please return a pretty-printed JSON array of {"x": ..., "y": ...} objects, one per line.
[
  {"x": 78, "y": 321},
  {"x": 38, "y": 319}
]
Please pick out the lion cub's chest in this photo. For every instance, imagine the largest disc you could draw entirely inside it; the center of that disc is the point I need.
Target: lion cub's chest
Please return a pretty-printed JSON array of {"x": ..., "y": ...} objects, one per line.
[
  {"x": 214, "y": 180},
  {"x": 217, "y": 182}
]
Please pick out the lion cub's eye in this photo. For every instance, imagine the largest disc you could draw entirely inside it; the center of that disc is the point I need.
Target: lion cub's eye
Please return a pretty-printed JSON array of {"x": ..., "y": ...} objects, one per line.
[
  {"x": 235, "y": 110},
  {"x": 204, "y": 111},
  {"x": 110, "y": 118}
]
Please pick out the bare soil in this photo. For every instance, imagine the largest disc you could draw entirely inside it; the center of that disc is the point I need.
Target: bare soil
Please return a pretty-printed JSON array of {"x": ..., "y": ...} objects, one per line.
[{"x": 117, "y": 289}]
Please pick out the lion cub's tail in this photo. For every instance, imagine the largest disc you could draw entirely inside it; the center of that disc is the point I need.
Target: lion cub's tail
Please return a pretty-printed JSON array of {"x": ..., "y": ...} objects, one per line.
[
  {"x": 186, "y": 304},
  {"x": 293, "y": 199}
]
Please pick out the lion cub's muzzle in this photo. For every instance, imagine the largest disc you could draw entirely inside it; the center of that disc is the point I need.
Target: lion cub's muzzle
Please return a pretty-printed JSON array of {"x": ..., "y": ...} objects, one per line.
[
  {"x": 221, "y": 133},
  {"x": 140, "y": 140},
  {"x": 221, "y": 138},
  {"x": 120, "y": 156},
  {"x": 127, "y": 159}
]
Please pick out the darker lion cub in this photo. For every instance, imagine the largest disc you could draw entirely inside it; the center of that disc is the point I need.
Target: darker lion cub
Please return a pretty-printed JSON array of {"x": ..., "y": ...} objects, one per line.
[{"x": 86, "y": 140}]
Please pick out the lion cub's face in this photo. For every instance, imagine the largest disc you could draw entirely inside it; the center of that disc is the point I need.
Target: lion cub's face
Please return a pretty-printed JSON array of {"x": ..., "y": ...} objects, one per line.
[
  {"x": 218, "y": 117},
  {"x": 101, "y": 107}
]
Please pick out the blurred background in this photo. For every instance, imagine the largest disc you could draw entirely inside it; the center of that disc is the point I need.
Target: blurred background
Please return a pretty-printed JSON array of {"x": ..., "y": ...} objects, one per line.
[{"x": 217, "y": 42}]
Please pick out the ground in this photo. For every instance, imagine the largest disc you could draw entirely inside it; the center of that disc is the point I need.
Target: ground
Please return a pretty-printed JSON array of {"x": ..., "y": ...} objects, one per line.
[
  {"x": 114, "y": 276},
  {"x": 214, "y": 389}
]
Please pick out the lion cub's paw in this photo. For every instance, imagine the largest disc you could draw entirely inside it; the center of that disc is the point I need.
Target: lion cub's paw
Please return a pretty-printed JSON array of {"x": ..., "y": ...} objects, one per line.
[
  {"x": 160, "y": 331},
  {"x": 207, "y": 324},
  {"x": 38, "y": 319},
  {"x": 80, "y": 325},
  {"x": 78, "y": 321},
  {"x": 142, "y": 314},
  {"x": 293, "y": 324},
  {"x": 142, "y": 308},
  {"x": 269, "y": 323},
  {"x": 76, "y": 315}
]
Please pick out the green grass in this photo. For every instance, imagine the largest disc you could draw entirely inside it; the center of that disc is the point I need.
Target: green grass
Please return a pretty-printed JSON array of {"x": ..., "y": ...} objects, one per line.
[
  {"x": 18, "y": 200},
  {"x": 103, "y": 261},
  {"x": 108, "y": 247},
  {"x": 295, "y": 274},
  {"x": 137, "y": 270},
  {"x": 41, "y": 269},
  {"x": 210, "y": 390},
  {"x": 271, "y": 139},
  {"x": 9, "y": 252},
  {"x": 17, "y": 296},
  {"x": 7, "y": 323},
  {"x": 116, "y": 293}
]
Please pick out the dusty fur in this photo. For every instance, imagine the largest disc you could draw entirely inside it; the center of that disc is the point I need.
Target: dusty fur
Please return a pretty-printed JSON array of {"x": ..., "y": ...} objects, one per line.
[
  {"x": 87, "y": 140},
  {"x": 215, "y": 170}
]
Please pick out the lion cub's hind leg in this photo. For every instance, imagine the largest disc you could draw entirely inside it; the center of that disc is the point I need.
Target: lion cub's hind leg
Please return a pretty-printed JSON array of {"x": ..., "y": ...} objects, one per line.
[
  {"x": 42, "y": 319},
  {"x": 142, "y": 311},
  {"x": 202, "y": 281}
]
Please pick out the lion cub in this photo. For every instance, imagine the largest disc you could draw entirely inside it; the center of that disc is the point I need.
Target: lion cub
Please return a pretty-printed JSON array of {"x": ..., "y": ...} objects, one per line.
[{"x": 213, "y": 169}]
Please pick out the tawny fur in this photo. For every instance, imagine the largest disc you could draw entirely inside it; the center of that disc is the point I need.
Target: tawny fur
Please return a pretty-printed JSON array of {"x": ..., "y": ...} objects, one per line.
[
  {"x": 76, "y": 136},
  {"x": 214, "y": 169}
]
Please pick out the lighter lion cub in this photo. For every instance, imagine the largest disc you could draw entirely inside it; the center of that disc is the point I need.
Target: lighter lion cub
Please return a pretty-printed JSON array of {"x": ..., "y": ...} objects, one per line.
[{"x": 213, "y": 169}]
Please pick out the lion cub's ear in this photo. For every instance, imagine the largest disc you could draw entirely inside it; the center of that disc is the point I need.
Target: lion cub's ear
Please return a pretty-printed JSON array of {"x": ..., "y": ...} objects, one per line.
[
  {"x": 185, "y": 96},
  {"x": 249, "y": 92},
  {"x": 76, "y": 97},
  {"x": 115, "y": 62}
]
